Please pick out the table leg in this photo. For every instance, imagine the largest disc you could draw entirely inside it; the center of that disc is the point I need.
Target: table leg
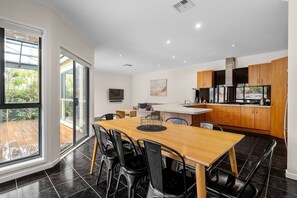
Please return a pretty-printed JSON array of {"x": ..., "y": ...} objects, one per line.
[
  {"x": 200, "y": 180},
  {"x": 94, "y": 155},
  {"x": 232, "y": 158}
]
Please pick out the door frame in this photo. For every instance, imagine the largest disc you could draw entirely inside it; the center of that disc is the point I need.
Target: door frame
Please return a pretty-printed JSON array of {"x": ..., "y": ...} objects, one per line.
[{"x": 75, "y": 60}]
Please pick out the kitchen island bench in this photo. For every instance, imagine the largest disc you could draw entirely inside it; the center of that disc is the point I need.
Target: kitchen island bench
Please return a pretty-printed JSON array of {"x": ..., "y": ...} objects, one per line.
[{"x": 177, "y": 110}]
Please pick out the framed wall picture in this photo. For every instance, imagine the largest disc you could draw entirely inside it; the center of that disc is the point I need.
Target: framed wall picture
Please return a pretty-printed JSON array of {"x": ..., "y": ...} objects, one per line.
[{"x": 158, "y": 87}]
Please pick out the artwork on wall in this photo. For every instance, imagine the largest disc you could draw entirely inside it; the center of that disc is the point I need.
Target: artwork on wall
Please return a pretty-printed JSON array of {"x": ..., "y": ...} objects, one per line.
[{"x": 158, "y": 87}]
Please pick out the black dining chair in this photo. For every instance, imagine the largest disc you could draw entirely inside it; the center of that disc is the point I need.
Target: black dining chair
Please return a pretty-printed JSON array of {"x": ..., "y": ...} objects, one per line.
[
  {"x": 205, "y": 125},
  {"x": 165, "y": 182},
  {"x": 177, "y": 120},
  {"x": 227, "y": 185},
  {"x": 208, "y": 125},
  {"x": 109, "y": 154},
  {"x": 174, "y": 120},
  {"x": 110, "y": 116},
  {"x": 131, "y": 167}
]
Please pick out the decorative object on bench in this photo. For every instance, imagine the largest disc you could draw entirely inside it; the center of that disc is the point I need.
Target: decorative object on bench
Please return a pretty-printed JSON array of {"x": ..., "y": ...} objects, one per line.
[{"x": 151, "y": 125}]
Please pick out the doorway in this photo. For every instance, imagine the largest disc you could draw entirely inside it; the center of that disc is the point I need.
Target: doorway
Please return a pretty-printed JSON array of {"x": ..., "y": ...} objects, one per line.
[{"x": 74, "y": 102}]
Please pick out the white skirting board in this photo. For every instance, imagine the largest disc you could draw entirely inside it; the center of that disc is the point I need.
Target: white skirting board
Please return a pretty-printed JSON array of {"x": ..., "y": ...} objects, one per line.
[{"x": 291, "y": 175}]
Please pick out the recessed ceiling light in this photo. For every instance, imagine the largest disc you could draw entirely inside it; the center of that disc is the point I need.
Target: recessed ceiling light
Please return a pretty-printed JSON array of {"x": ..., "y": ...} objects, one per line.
[
  {"x": 168, "y": 42},
  {"x": 127, "y": 65},
  {"x": 159, "y": 65},
  {"x": 173, "y": 57},
  {"x": 233, "y": 45},
  {"x": 120, "y": 55},
  {"x": 198, "y": 25},
  {"x": 130, "y": 71},
  {"x": 185, "y": 61}
]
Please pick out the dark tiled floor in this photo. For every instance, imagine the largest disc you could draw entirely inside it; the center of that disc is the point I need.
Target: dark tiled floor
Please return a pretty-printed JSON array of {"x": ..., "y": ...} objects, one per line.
[{"x": 71, "y": 178}]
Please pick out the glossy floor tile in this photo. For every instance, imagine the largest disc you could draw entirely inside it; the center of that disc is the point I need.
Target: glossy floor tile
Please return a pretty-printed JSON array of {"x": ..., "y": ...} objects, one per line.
[{"x": 71, "y": 178}]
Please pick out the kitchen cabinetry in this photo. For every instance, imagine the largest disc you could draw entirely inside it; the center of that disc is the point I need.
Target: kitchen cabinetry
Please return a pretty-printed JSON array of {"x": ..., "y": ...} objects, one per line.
[
  {"x": 214, "y": 116},
  {"x": 260, "y": 74},
  {"x": 255, "y": 118},
  {"x": 224, "y": 115},
  {"x": 247, "y": 117},
  {"x": 278, "y": 96},
  {"x": 262, "y": 118},
  {"x": 205, "y": 79}
]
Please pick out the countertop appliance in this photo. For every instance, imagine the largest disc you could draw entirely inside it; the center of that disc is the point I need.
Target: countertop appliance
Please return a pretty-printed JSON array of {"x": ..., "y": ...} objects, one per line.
[{"x": 195, "y": 95}]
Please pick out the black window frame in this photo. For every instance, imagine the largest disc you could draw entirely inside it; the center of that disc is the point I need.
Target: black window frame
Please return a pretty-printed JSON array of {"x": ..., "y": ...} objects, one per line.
[
  {"x": 37, "y": 105},
  {"x": 244, "y": 99},
  {"x": 231, "y": 97}
]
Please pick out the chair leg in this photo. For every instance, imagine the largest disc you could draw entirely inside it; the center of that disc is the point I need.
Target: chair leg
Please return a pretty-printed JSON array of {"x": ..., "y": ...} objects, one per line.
[
  {"x": 131, "y": 190},
  {"x": 118, "y": 184},
  {"x": 132, "y": 181},
  {"x": 100, "y": 171},
  {"x": 109, "y": 179}
]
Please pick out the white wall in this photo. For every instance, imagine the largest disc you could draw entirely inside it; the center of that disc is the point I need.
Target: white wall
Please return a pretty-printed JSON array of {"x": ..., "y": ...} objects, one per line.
[
  {"x": 180, "y": 81},
  {"x": 56, "y": 33},
  {"x": 292, "y": 84},
  {"x": 102, "y": 82}
]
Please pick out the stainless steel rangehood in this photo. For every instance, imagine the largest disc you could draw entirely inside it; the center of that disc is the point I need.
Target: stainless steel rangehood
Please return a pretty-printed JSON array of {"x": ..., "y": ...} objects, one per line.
[{"x": 230, "y": 66}]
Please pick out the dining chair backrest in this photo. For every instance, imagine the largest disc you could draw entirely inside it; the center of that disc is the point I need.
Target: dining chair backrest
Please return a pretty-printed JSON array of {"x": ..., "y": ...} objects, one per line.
[
  {"x": 118, "y": 144},
  {"x": 267, "y": 154},
  {"x": 208, "y": 125},
  {"x": 152, "y": 153},
  {"x": 177, "y": 120},
  {"x": 110, "y": 116},
  {"x": 103, "y": 137}
]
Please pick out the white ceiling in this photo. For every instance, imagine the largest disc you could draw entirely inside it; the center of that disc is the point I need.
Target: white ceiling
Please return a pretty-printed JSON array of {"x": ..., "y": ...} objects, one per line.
[{"x": 139, "y": 29}]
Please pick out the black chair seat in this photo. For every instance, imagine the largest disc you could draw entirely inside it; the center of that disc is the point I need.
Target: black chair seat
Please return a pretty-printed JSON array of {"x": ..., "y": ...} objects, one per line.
[
  {"x": 173, "y": 182},
  {"x": 111, "y": 153},
  {"x": 135, "y": 165},
  {"x": 228, "y": 185}
]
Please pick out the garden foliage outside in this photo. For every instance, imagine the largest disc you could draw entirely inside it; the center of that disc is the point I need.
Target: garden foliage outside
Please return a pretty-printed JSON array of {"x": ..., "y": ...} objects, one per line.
[{"x": 21, "y": 86}]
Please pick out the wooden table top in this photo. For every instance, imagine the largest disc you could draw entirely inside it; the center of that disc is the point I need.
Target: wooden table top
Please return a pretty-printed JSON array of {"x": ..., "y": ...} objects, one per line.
[{"x": 195, "y": 144}]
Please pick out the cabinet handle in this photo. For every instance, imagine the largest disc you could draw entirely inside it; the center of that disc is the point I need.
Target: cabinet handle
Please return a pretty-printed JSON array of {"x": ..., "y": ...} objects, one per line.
[{"x": 252, "y": 112}]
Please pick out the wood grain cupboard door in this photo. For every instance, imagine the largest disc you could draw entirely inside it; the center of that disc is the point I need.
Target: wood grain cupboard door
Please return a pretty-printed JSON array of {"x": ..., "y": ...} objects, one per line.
[
  {"x": 214, "y": 115},
  {"x": 232, "y": 116},
  {"x": 200, "y": 80},
  {"x": 254, "y": 73},
  {"x": 247, "y": 118},
  {"x": 208, "y": 79},
  {"x": 278, "y": 95},
  {"x": 265, "y": 74},
  {"x": 262, "y": 118}
]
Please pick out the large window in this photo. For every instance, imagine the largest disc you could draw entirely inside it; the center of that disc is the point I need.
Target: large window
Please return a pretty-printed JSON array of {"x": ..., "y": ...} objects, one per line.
[
  {"x": 241, "y": 93},
  {"x": 20, "y": 96},
  {"x": 246, "y": 94}
]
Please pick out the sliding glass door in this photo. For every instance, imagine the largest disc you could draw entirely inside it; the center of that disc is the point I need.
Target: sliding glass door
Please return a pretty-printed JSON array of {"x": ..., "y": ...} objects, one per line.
[
  {"x": 81, "y": 101},
  {"x": 74, "y": 102}
]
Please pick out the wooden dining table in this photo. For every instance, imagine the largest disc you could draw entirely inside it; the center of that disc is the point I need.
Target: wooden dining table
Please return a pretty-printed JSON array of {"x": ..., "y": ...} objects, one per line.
[{"x": 200, "y": 147}]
